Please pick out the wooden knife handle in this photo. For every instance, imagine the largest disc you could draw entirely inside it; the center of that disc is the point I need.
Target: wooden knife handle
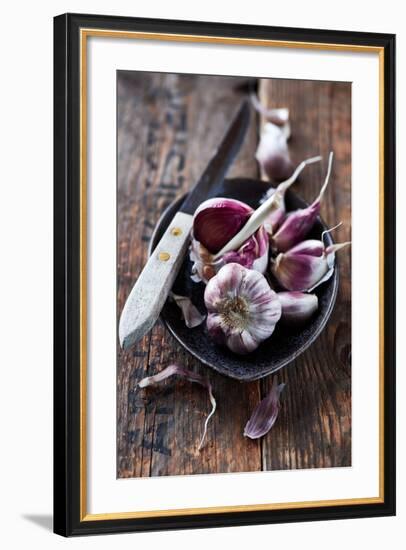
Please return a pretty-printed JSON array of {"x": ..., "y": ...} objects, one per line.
[{"x": 152, "y": 287}]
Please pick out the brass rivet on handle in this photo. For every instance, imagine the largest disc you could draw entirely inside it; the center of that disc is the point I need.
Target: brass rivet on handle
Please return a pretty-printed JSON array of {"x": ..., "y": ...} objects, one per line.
[
  {"x": 164, "y": 256},
  {"x": 176, "y": 231}
]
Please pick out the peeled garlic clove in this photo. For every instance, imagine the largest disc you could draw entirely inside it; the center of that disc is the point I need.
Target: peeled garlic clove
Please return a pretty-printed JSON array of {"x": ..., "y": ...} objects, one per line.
[
  {"x": 242, "y": 308},
  {"x": 297, "y": 307},
  {"x": 273, "y": 154},
  {"x": 217, "y": 220},
  {"x": 298, "y": 223}
]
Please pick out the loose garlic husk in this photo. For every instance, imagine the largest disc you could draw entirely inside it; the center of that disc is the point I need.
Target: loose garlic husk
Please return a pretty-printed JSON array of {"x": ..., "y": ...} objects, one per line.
[
  {"x": 306, "y": 265},
  {"x": 242, "y": 308}
]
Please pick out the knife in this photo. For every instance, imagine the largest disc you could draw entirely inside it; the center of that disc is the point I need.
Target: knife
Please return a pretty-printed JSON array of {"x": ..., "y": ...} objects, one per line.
[{"x": 152, "y": 287}]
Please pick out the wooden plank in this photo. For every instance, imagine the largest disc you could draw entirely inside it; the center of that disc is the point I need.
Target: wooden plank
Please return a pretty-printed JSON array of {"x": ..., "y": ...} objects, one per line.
[
  {"x": 314, "y": 427},
  {"x": 168, "y": 128}
]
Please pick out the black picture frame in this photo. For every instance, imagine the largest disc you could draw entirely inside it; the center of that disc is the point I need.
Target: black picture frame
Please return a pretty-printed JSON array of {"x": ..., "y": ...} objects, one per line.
[{"x": 67, "y": 381}]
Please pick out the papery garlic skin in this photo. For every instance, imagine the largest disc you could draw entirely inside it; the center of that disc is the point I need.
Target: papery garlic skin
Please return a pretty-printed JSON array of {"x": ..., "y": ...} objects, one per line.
[
  {"x": 297, "y": 307},
  {"x": 242, "y": 308},
  {"x": 190, "y": 314},
  {"x": 306, "y": 265},
  {"x": 273, "y": 154},
  {"x": 253, "y": 254},
  {"x": 192, "y": 376},
  {"x": 278, "y": 214},
  {"x": 204, "y": 266}
]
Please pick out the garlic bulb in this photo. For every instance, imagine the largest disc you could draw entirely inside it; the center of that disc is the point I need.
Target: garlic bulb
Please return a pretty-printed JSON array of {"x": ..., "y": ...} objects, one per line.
[
  {"x": 215, "y": 222},
  {"x": 297, "y": 307},
  {"x": 242, "y": 308},
  {"x": 306, "y": 265},
  {"x": 298, "y": 223}
]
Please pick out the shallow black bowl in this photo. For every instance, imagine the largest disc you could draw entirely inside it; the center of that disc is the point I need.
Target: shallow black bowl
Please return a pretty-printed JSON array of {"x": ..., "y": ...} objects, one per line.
[{"x": 285, "y": 344}]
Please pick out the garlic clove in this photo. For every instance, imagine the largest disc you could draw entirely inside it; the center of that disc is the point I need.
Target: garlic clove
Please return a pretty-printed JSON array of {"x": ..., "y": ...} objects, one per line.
[
  {"x": 253, "y": 254},
  {"x": 217, "y": 220},
  {"x": 215, "y": 328},
  {"x": 299, "y": 271},
  {"x": 330, "y": 259},
  {"x": 278, "y": 213},
  {"x": 265, "y": 413},
  {"x": 279, "y": 116},
  {"x": 298, "y": 223},
  {"x": 260, "y": 215},
  {"x": 305, "y": 266},
  {"x": 241, "y": 342},
  {"x": 297, "y": 307},
  {"x": 311, "y": 247},
  {"x": 211, "y": 225},
  {"x": 273, "y": 154},
  {"x": 242, "y": 308}
]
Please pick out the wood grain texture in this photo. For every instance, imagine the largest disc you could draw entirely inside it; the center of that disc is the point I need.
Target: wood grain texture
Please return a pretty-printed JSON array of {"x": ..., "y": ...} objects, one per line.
[
  {"x": 168, "y": 128},
  {"x": 314, "y": 427}
]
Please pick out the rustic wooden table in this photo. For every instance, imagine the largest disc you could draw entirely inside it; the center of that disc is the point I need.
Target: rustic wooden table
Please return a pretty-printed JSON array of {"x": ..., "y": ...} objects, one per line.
[{"x": 168, "y": 127}]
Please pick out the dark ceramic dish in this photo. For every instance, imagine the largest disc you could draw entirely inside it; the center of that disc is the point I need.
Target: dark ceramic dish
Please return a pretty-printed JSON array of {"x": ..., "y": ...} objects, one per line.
[{"x": 285, "y": 344}]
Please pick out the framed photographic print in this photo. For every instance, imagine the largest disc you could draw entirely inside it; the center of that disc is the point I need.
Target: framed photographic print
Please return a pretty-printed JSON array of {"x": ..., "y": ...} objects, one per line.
[{"x": 224, "y": 274}]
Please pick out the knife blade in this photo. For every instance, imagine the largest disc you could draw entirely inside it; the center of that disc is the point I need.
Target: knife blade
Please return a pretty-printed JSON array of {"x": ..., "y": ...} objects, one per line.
[{"x": 151, "y": 289}]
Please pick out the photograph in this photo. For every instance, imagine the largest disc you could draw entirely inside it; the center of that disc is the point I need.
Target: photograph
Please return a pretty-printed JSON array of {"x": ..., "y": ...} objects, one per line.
[
  {"x": 225, "y": 351},
  {"x": 233, "y": 274},
  {"x": 200, "y": 297}
]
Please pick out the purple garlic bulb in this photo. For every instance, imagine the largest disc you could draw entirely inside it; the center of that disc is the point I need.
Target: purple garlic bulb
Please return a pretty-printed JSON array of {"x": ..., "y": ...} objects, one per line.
[{"x": 242, "y": 308}]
